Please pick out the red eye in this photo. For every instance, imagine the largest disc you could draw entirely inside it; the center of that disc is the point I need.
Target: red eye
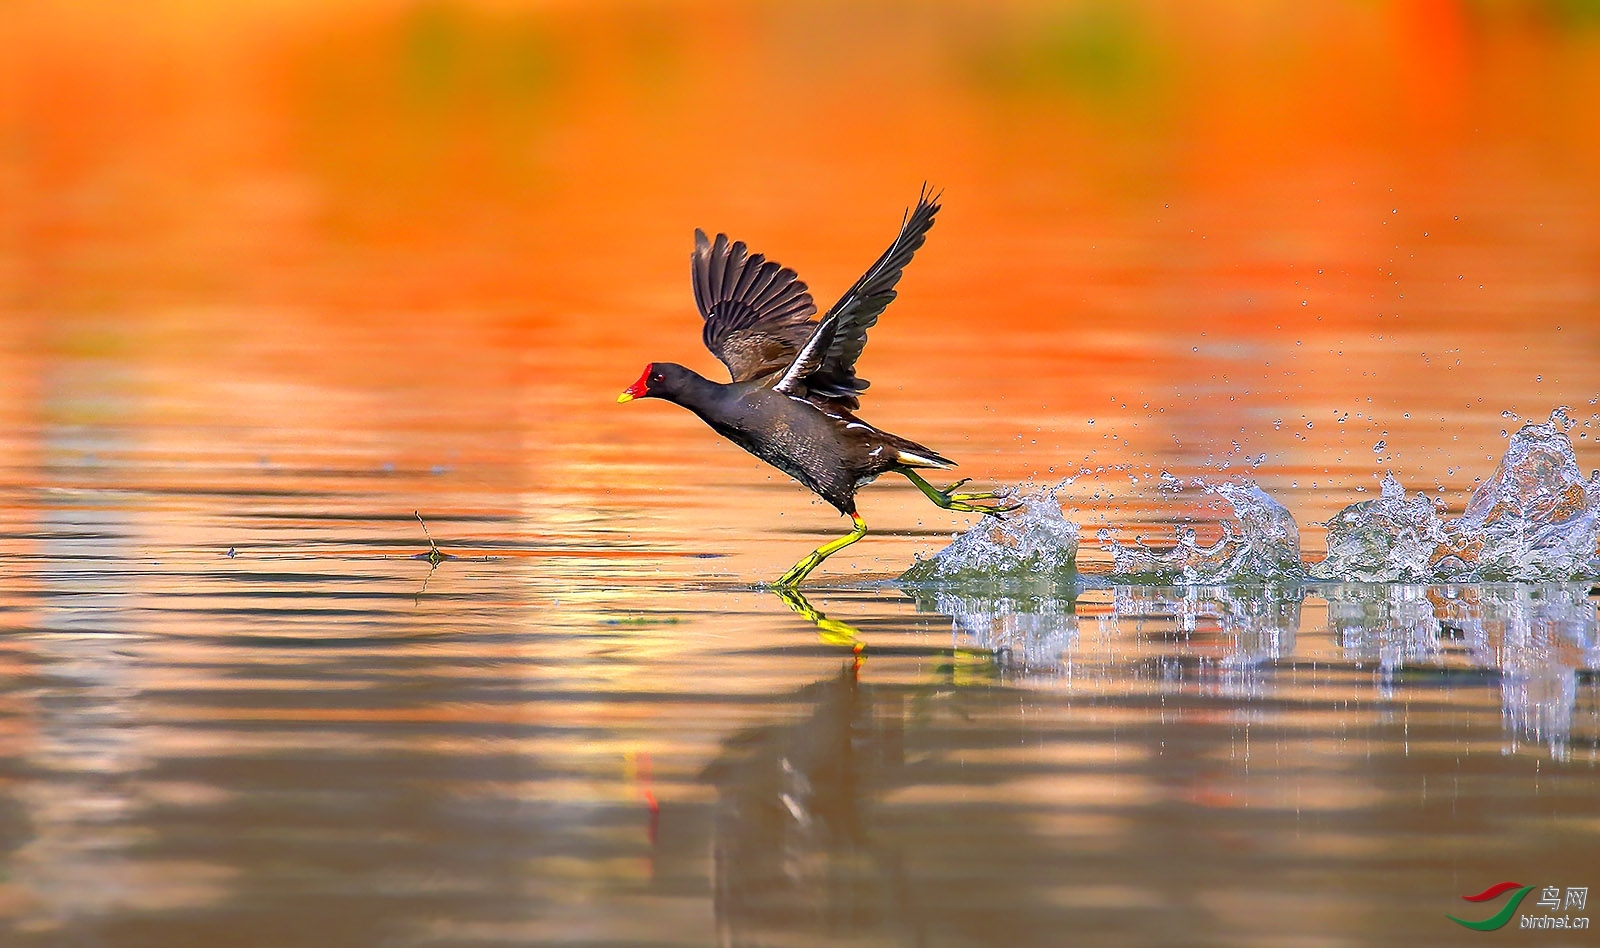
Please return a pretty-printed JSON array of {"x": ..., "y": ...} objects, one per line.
[{"x": 658, "y": 378}]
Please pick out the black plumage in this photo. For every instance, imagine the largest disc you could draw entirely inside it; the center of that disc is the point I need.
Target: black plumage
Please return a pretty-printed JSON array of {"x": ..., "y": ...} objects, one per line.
[{"x": 794, "y": 386}]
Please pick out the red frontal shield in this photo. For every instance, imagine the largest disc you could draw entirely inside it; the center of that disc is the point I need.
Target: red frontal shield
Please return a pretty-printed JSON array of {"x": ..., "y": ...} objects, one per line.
[{"x": 638, "y": 389}]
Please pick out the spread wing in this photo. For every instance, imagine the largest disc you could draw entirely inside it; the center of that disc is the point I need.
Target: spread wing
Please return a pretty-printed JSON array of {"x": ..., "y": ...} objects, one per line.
[
  {"x": 757, "y": 313},
  {"x": 825, "y": 367}
]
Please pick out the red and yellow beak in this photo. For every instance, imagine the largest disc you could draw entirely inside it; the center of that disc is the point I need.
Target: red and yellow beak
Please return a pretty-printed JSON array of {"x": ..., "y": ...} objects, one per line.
[{"x": 637, "y": 389}]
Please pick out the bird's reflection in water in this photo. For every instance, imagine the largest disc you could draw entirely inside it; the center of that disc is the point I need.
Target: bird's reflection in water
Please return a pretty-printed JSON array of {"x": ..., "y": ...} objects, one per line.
[
  {"x": 832, "y": 631},
  {"x": 804, "y": 839},
  {"x": 792, "y": 845}
]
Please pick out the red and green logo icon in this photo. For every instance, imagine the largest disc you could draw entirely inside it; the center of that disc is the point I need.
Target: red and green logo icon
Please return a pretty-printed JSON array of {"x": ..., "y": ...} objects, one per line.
[{"x": 1500, "y": 918}]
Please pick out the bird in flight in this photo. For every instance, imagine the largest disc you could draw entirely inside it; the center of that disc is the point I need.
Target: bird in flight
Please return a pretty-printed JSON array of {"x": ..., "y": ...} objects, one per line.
[{"x": 794, "y": 388}]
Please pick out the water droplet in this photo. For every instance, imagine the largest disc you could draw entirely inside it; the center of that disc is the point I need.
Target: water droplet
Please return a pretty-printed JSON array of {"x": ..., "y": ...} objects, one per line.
[{"x": 1379, "y": 447}]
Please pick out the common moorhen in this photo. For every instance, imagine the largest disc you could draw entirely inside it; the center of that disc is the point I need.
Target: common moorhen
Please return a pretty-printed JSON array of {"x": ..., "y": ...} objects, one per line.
[{"x": 794, "y": 378}]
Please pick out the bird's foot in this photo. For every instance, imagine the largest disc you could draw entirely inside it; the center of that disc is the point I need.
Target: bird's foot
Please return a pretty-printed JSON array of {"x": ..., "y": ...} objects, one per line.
[
  {"x": 799, "y": 571},
  {"x": 963, "y": 502},
  {"x": 949, "y": 499}
]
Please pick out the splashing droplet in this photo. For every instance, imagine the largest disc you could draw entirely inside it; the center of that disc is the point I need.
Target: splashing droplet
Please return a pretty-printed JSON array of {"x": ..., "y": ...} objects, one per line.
[
  {"x": 1036, "y": 543},
  {"x": 1261, "y": 542}
]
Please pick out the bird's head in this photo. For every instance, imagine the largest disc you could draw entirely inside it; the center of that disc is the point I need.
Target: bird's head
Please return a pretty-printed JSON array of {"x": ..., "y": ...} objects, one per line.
[{"x": 658, "y": 380}]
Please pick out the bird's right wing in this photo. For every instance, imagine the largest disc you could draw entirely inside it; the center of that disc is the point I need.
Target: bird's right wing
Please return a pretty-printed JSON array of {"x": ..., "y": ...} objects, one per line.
[
  {"x": 857, "y": 311},
  {"x": 825, "y": 366},
  {"x": 757, "y": 313}
]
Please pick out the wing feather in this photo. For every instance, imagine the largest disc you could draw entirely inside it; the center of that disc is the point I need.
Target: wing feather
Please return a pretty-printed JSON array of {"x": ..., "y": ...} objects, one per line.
[
  {"x": 858, "y": 310},
  {"x": 757, "y": 313},
  {"x": 808, "y": 360},
  {"x": 747, "y": 278},
  {"x": 702, "y": 292},
  {"x": 719, "y": 263}
]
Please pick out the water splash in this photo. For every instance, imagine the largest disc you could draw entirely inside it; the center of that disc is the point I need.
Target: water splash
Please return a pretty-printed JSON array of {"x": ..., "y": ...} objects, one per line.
[
  {"x": 1536, "y": 519},
  {"x": 1033, "y": 544},
  {"x": 1391, "y": 539},
  {"x": 1261, "y": 544}
]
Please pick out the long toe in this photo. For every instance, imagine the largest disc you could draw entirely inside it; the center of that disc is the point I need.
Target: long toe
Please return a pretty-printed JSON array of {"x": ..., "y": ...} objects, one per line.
[
  {"x": 991, "y": 509},
  {"x": 961, "y": 507},
  {"x": 981, "y": 495}
]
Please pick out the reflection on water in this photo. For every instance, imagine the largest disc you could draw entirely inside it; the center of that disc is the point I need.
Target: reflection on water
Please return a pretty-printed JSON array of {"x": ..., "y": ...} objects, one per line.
[
  {"x": 302, "y": 743},
  {"x": 793, "y": 839},
  {"x": 1116, "y": 762},
  {"x": 1539, "y": 639},
  {"x": 1031, "y": 634},
  {"x": 1535, "y": 641}
]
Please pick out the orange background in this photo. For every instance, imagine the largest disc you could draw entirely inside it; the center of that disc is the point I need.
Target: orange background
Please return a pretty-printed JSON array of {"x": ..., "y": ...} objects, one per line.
[{"x": 441, "y": 236}]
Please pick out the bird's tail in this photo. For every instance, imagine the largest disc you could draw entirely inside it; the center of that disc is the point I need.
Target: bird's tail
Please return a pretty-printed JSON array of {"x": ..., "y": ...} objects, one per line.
[{"x": 912, "y": 454}]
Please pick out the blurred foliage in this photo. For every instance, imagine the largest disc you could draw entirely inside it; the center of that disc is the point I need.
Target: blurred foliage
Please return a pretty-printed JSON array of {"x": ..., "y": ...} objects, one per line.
[
  {"x": 444, "y": 93},
  {"x": 450, "y": 57},
  {"x": 1101, "y": 55},
  {"x": 1562, "y": 13}
]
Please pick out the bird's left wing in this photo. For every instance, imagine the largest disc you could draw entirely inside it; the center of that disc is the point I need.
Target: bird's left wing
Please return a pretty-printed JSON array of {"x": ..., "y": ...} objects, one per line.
[
  {"x": 757, "y": 313},
  {"x": 834, "y": 376}
]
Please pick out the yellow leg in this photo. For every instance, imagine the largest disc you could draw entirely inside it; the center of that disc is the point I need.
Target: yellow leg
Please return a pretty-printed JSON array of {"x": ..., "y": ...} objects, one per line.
[{"x": 812, "y": 560}]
